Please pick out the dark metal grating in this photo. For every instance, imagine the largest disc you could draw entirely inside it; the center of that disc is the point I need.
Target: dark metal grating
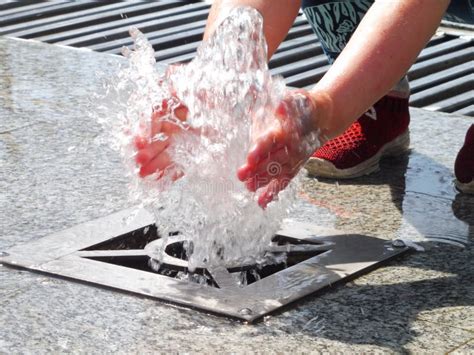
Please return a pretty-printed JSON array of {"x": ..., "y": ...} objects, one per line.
[{"x": 442, "y": 79}]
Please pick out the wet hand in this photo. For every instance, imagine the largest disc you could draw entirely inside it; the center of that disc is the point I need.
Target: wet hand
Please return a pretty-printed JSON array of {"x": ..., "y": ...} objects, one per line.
[
  {"x": 279, "y": 153},
  {"x": 167, "y": 121}
]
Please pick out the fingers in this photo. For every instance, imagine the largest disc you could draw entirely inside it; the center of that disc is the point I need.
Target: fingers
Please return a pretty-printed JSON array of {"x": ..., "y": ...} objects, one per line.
[
  {"x": 244, "y": 172},
  {"x": 157, "y": 164},
  {"x": 161, "y": 131},
  {"x": 262, "y": 150},
  {"x": 154, "y": 159},
  {"x": 273, "y": 174},
  {"x": 160, "y": 123},
  {"x": 152, "y": 144},
  {"x": 257, "y": 181},
  {"x": 275, "y": 166},
  {"x": 270, "y": 193},
  {"x": 176, "y": 174},
  {"x": 181, "y": 112},
  {"x": 269, "y": 142},
  {"x": 150, "y": 151},
  {"x": 282, "y": 109},
  {"x": 140, "y": 142}
]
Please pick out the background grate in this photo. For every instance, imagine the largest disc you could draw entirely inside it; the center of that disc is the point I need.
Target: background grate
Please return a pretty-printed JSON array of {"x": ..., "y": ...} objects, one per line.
[{"x": 442, "y": 79}]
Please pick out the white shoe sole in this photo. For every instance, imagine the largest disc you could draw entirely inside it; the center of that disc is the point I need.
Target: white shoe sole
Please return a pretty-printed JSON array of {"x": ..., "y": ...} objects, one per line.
[
  {"x": 467, "y": 188},
  {"x": 322, "y": 168}
]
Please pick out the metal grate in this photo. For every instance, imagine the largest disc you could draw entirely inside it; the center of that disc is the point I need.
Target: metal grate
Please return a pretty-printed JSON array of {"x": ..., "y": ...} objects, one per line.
[
  {"x": 442, "y": 78},
  {"x": 116, "y": 251}
]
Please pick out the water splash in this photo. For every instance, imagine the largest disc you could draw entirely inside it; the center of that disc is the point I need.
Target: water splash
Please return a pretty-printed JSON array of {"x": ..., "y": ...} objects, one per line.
[{"x": 230, "y": 96}]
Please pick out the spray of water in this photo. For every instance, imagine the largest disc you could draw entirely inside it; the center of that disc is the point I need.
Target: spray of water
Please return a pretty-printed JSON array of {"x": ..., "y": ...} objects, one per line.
[{"x": 230, "y": 96}]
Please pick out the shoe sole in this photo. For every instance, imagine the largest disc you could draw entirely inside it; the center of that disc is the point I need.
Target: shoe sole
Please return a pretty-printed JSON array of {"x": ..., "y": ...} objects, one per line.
[
  {"x": 467, "y": 188},
  {"x": 322, "y": 168}
]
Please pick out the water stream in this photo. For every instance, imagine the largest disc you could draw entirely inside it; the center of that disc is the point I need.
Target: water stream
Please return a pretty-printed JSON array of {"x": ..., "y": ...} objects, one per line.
[{"x": 230, "y": 95}]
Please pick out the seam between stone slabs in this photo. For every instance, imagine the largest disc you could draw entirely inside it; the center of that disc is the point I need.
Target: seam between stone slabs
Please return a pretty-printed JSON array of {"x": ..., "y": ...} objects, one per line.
[
  {"x": 452, "y": 311},
  {"x": 22, "y": 127},
  {"x": 457, "y": 347},
  {"x": 417, "y": 318},
  {"x": 445, "y": 324},
  {"x": 428, "y": 195}
]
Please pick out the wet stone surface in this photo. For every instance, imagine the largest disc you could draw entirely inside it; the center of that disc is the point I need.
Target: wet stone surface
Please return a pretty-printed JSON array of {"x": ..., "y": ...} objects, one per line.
[{"x": 53, "y": 175}]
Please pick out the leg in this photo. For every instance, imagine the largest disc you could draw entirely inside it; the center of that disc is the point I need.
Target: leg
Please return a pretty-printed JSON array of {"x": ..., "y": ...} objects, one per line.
[
  {"x": 383, "y": 130},
  {"x": 462, "y": 11},
  {"x": 464, "y": 165},
  {"x": 334, "y": 22}
]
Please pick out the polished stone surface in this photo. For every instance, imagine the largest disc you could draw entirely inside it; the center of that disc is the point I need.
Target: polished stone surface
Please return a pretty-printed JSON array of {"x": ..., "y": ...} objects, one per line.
[{"x": 53, "y": 175}]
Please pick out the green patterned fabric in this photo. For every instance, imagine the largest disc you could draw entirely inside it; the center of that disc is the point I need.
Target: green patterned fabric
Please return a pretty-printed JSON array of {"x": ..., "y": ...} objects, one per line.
[{"x": 335, "y": 21}]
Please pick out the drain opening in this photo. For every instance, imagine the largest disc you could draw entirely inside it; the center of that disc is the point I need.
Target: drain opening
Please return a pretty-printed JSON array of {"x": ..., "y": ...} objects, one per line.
[
  {"x": 136, "y": 239},
  {"x": 285, "y": 251}
]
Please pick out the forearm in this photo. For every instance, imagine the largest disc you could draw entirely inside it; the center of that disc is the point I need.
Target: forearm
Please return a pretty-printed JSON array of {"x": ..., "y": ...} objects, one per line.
[
  {"x": 380, "y": 52},
  {"x": 278, "y": 16}
]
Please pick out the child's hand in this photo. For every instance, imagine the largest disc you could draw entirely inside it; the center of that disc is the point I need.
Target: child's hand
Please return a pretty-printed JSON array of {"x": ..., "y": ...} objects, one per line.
[
  {"x": 152, "y": 156},
  {"x": 278, "y": 154}
]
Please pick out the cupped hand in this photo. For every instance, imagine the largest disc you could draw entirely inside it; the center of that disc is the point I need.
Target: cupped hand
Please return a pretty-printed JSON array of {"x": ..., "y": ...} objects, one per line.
[
  {"x": 168, "y": 120},
  {"x": 279, "y": 153}
]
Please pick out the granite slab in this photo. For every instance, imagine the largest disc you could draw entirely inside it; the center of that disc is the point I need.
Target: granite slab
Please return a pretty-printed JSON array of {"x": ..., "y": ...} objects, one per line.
[
  {"x": 54, "y": 174},
  {"x": 467, "y": 348}
]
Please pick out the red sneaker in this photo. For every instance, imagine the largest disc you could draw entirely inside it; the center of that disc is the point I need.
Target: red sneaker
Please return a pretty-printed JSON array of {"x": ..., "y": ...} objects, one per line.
[
  {"x": 464, "y": 165},
  {"x": 381, "y": 131}
]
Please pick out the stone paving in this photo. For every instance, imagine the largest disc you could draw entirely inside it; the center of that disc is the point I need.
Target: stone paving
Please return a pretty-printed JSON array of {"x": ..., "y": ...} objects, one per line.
[{"x": 53, "y": 175}]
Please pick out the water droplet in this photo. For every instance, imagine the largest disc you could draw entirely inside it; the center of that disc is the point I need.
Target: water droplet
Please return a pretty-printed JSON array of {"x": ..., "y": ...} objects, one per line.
[
  {"x": 245, "y": 311},
  {"x": 398, "y": 243}
]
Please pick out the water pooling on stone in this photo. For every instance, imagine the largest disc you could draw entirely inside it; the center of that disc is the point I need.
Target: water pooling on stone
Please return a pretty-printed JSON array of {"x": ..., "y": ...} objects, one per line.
[{"x": 230, "y": 96}]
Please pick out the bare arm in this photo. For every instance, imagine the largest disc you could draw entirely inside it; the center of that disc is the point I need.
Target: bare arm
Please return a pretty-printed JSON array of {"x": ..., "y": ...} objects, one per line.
[
  {"x": 380, "y": 52},
  {"x": 278, "y": 16}
]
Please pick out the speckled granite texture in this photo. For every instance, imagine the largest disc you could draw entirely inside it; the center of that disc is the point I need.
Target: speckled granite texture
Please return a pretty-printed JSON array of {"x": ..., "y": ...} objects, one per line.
[{"x": 53, "y": 175}]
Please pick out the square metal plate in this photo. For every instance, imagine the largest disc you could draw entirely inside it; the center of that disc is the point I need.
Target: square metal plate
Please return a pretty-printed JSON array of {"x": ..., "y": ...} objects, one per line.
[{"x": 110, "y": 252}]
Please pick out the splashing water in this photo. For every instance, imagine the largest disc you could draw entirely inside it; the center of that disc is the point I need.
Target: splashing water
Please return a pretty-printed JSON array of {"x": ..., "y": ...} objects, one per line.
[{"x": 230, "y": 96}]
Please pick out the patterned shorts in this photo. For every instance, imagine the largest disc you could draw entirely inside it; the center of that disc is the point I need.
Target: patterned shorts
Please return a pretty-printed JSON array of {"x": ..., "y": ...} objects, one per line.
[{"x": 334, "y": 21}]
